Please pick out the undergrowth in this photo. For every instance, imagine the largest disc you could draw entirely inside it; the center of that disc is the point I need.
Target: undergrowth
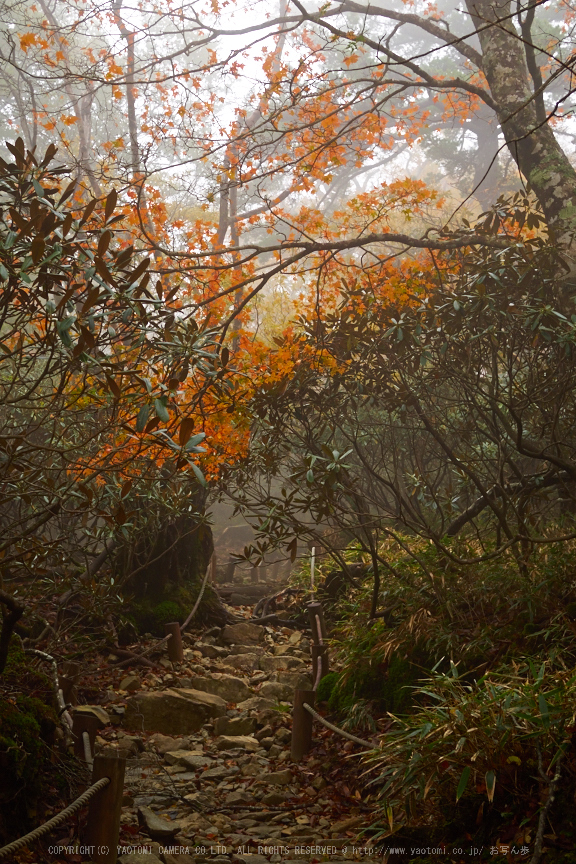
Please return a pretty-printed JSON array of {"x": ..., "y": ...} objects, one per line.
[
  {"x": 29, "y": 765},
  {"x": 470, "y": 675}
]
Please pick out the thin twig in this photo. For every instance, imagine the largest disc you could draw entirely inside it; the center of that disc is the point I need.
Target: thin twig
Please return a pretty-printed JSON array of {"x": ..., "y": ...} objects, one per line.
[{"x": 553, "y": 783}]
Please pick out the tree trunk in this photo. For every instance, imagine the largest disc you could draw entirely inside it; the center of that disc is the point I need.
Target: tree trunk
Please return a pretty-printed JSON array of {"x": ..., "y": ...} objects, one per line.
[{"x": 531, "y": 142}]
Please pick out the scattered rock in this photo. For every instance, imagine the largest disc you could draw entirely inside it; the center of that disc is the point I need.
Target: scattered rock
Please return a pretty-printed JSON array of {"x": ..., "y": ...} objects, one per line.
[
  {"x": 294, "y": 680},
  {"x": 278, "y": 691},
  {"x": 234, "y": 725},
  {"x": 231, "y": 742},
  {"x": 193, "y": 761},
  {"x": 130, "y": 683},
  {"x": 284, "y": 661},
  {"x": 165, "y": 743},
  {"x": 172, "y": 711},
  {"x": 246, "y": 649},
  {"x": 278, "y": 778},
  {"x": 156, "y": 826},
  {"x": 283, "y": 735},
  {"x": 241, "y": 634},
  {"x": 274, "y": 798},
  {"x": 129, "y": 745},
  {"x": 247, "y": 661},
  {"x": 109, "y": 697},
  {"x": 94, "y": 711},
  {"x": 256, "y": 703},
  {"x": 211, "y": 651},
  {"x": 218, "y": 772},
  {"x": 200, "y": 799},
  {"x": 240, "y": 797},
  {"x": 227, "y": 687}
]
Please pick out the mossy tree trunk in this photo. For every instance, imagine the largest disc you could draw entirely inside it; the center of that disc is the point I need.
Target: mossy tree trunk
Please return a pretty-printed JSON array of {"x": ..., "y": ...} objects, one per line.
[{"x": 161, "y": 574}]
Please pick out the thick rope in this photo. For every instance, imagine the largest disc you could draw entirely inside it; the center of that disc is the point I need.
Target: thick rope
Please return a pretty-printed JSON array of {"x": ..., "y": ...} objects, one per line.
[
  {"x": 336, "y": 729},
  {"x": 318, "y": 672},
  {"x": 5, "y": 851},
  {"x": 319, "y": 631},
  {"x": 87, "y": 751}
]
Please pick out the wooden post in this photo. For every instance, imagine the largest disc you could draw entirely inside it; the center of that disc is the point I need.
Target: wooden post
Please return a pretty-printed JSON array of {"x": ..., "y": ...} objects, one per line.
[
  {"x": 83, "y": 723},
  {"x": 103, "y": 828},
  {"x": 315, "y": 611},
  {"x": 301, "y": 724},
  {"x": 175, "y": 651}
]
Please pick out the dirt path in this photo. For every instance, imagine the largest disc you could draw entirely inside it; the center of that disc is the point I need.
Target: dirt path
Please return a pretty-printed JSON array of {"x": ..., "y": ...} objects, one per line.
[{"x": 228, "y": 790}]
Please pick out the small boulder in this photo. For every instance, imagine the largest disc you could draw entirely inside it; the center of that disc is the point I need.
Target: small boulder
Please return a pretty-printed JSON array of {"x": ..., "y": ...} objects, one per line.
[
  {"x": 240, "y": 797},
  {"x": 283, "y": 735},
  {"x": 241, "y": 634},
  {"x": 231, "y": 742},
  {"x": 234, "y": 725},
  {"x": 256, "y": 703},
  {"x": 172, "y": 711},
  {"x": 156, "y": 826},
  {"x": 130, "y": 683},
  {"x": 164, "y": 743},
  {"x": 248, "y": 662},
  {"x": 211, "y": 651},
  {"x": 274, "y": 798},
  {"x": 278, "y": 778},
  {"x": 194, "y": 761},
  {"x": 227, "y": 687},
  {"x": 284, "y": 661},
  {"x": 295, "y": 680},
  {"x": 218, "y": 773},
  {"x": 177, "y": 757},
  {"x": 130, "y": 745},
  {"x": 246, "y": 649},
  {"x": 276, "y": 690}
]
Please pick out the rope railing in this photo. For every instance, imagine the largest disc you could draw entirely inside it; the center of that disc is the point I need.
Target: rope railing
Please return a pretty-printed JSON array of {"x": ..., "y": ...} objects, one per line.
[
  {"x": 39, "y": 832},
  {"x": 336, "y": 729},
  {"x": 304, "y": 713},
  {"x": 62, "y": 705},
  {"x": 319, "y": 630},
  {"x": 318, "y": 674},
  {"x": 87, "y": 751}
]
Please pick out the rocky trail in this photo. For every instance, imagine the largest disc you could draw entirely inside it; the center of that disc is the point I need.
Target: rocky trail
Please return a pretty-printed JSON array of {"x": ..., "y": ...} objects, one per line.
[{"x": 209, "y": 775}]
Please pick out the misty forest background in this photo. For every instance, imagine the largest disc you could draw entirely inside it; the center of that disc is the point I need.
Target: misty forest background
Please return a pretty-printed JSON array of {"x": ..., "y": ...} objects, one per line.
[{"x": 315, "y": 264}]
